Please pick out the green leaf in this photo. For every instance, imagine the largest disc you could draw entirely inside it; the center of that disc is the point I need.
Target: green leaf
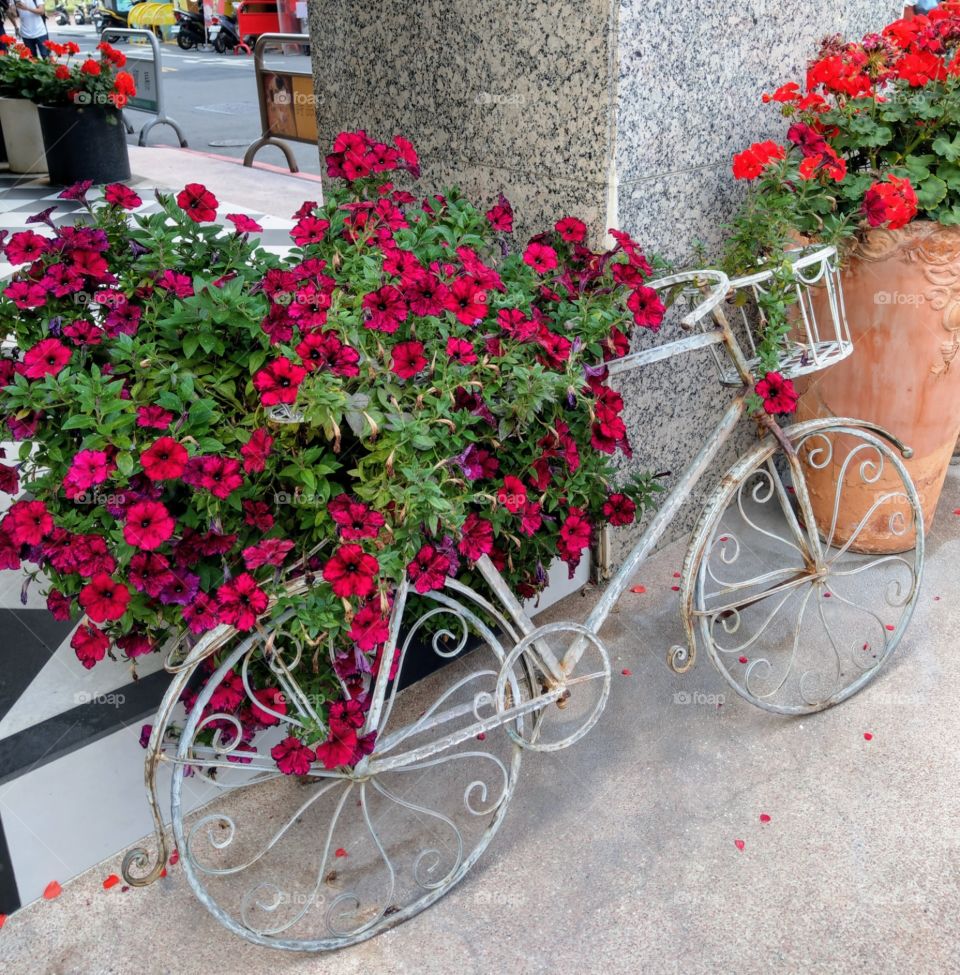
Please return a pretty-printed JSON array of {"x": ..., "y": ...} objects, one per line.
[
  {"x": 948, "y": 148},
  {"x": 930, "y": 192},
  {"x": 125, "y": 464}
]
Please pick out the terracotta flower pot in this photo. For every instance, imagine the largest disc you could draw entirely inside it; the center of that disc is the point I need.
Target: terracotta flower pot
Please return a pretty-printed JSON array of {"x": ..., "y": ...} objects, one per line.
[
  {"x": 902, "y": 294},
  {"x": 22, "y": 136}
]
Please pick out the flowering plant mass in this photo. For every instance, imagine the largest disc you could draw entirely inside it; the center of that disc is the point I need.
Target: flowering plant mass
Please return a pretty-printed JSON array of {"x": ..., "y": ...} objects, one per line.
[
  {"x": 871, "y": 142},
  {"x": 204, "y": 423},
  {"x": 64, "y": 78}
]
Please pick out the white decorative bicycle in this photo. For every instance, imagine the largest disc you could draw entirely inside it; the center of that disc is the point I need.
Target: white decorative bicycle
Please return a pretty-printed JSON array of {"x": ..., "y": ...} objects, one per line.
[{"x": 794, "y": 615}]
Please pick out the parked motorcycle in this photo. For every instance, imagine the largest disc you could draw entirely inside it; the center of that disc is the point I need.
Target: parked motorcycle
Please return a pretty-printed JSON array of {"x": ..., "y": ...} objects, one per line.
[
  {"x": 190, "y": 29},
  {"x": 111, "y": 13},
  {"x": 224, "y": 34}
]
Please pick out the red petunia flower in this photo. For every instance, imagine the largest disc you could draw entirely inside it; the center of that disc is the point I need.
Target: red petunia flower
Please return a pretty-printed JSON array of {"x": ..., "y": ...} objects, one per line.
[
  {"x": 257, "y": 515},
  {"x": 428, "y": 570},
  {"x": 28, "y": 522},
  {"x": 351, "y": 572},
  {"x": 199, "y": 204},
  {"x": 244, "y": 224},
  {"x": 309, "y": 230},
  {"x": 47, "y": 358},
  {"x": 165, "y": 460},
  {"x": 540, "y": 257},
  {"x": 104, "y": 599},
  {"x": 155, "y": 417},
  {"x": 467, "y": 300},
  {"x": 355, "y": 519},
  {"x": 271, "y": 551},
  {"x": 461, "y": 351},
  {"x": 135, "y": 645},
  {"x": 200, "y": 615},
  {"x": 90, "y": 644},
  {"x": 59, "y": 605},
  {"x": 88, "y": 467},
  {"x": 148, "y": 525},
  {"x": 571, "y": 229},
  {"x": 501, "y": 216},
  {"x": 25, "y": 247},
  {"x": 272, "y": 698},
  {"x": 647, "y": 308},
  {"x": 241, "y": 601},
  {"x": 369, "y": 628},
  {"x": 256, "y": 451},
  {"x": 619, "y": 510},
  {"x": 292, "y": 756},
  {"x": 278, "y": 382},
  {"x": 118, "y": 195},
  {"x": 513, "y": 494},
  {"x": 778, "y": 394},
  {"x": 476, "y": 537},
  {"x": 408, "y": 359},
  {"x": 385, "y": 309}
]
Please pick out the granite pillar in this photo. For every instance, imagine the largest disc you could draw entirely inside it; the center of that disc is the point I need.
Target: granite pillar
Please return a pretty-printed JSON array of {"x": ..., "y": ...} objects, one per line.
[{"x": 623, "y": 113}]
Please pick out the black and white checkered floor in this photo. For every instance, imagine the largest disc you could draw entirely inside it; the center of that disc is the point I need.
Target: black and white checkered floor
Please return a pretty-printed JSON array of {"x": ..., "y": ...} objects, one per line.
[{"x": 66, "y": 731}]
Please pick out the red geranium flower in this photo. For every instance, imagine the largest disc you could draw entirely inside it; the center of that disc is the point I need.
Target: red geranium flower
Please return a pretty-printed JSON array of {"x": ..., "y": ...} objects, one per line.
[
  {"x": 90, "y": 644},
  {"x": 28, "y": 522},
  {"x": 148, "y": 525},
  {"x": 778, "y": 394},
  {"x": 199, "y": 204},
  {"x": 279, "y": 381},
  {"x": 103, "y": 599},
  {"x": 750, "y": 163},
  {"x": 47, "y": 357},
  {"x": 164, "y": 460},
  {"x": 890, "y": 202},
  {"x": 408, "y": 359},
  {"x": 540, "y": 257},
  {"x": 90, "y": 67},
  {"x": 292, "y": 756},
  {"x": 241, "y": 601},
  {"x": 351, "y": 572}
]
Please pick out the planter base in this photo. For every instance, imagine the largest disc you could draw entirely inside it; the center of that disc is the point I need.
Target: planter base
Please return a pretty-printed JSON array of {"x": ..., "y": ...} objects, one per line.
[{"x": 84, "y": 142}]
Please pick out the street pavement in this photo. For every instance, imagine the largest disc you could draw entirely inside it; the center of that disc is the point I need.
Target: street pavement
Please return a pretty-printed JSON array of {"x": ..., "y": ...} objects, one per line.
[{"x": 212, "y": 96}]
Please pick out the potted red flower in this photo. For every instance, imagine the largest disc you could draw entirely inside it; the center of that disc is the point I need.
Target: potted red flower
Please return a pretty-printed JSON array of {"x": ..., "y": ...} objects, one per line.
[
  {"x": 871, "y": 159},
  {"x": 79, "y": 106}
]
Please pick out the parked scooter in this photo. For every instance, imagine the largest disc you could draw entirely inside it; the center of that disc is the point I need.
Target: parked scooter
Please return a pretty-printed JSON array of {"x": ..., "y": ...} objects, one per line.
[
  {"x": 224, "y": 34},
  {"x": 63, "y": 15},
  {"x": 111, "y": 13},
  {"x": 190, "y": 29}
]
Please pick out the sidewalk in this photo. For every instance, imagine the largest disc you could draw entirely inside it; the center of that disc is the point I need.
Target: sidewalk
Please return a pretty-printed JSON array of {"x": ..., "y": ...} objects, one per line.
[{"x": 618, "y": 855}]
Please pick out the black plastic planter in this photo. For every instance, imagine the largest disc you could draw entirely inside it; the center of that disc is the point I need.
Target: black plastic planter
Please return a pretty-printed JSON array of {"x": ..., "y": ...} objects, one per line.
[{"x": 84, "y": 142}]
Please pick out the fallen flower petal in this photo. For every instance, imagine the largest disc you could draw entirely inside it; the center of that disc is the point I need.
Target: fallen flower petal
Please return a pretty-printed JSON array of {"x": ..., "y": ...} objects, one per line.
[
  {"x": 111, "y": 881},
  {"x": 739, "y": 844},
  {"x": 639, "y": 589},
  {"x": 52, "y": 890},
  {"x": 627, "y": 672},
  {"x": 744, "y": 660},
  {"x": 867, "y": 736},
  {"x": 764, "y": 818},
  {"x": 340, "y": 852}
]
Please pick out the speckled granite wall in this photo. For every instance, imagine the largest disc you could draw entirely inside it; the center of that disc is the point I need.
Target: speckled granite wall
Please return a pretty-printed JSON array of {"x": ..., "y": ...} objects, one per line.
[
  {"x": 624, "y": 112},
  {"x": 508, "y": 95}
]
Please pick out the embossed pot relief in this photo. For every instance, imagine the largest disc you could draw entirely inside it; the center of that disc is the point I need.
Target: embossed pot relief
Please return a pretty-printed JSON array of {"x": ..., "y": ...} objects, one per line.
[{"x": 902, "y": 292}]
